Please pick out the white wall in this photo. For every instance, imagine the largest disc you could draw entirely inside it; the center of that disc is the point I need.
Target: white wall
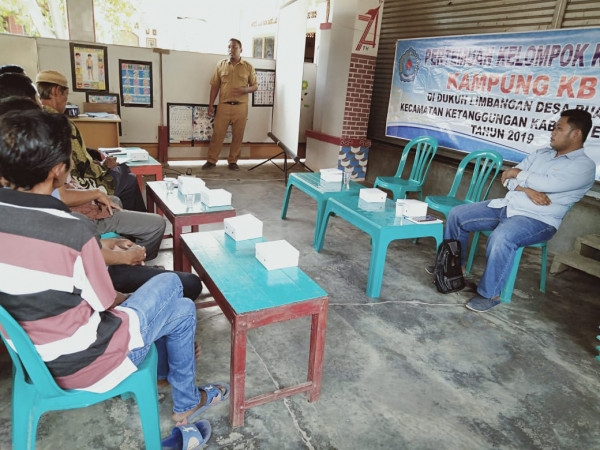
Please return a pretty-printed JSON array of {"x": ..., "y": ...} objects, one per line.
[{"x": 185, "y": 79}]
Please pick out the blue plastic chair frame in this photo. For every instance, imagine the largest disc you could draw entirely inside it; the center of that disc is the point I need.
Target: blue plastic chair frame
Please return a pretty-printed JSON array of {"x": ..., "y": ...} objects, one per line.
[
  {"x": 425, "y": 148},
  {"x": 35, "y": 391},
  {"x": 486, "y": 165},
  {"x": 507, "y": 290}
]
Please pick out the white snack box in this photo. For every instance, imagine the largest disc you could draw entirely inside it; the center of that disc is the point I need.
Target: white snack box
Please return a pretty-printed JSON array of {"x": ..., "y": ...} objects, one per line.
[
  {"x": 215, "y": 197},
  {"x": 331, "y": 175},
  {"x": 243, "y": 227},
  {"x": 410, "y": 207},
  {"x": 136, "y": 154},
  {"x": 370, "y": 206},
  {"x": 372, "y": 195},
  {"x": 190, "y": 185},
  {"x": 277, "y": 254}
]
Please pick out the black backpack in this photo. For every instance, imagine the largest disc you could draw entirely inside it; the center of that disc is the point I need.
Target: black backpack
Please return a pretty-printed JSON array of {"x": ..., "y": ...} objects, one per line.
[{"x": 447, "y": 274}]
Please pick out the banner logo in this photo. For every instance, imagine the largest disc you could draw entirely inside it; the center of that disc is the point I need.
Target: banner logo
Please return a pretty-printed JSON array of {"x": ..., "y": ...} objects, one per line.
[{"x": 408, "y": 65}]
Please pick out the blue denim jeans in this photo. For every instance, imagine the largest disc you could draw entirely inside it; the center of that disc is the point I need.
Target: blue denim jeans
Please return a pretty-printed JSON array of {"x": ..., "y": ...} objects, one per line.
[
  {"x": 169, "y": 320},
  {"x": 509, "y": 234}
]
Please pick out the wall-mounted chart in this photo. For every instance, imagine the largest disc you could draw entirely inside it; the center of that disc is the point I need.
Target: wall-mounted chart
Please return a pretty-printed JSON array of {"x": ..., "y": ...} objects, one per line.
[
  {"x": 190, "y": 123},
  {"x": 266, "y": 88}
]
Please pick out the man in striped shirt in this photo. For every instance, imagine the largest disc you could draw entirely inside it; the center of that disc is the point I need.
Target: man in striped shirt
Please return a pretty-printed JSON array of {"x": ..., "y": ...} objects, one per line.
[{"x": 54, "y": 280}]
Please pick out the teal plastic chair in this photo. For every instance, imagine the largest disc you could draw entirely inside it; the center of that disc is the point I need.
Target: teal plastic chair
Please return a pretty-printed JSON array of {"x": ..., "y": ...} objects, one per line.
[
  {"x": 598, "y": 348},
  {"x": 486, "y": 165},
  {"x": 507, "y": 290},
  {"x": 35, "y": 391},
  {"x": 425, "y": 148},
  {"x": 110, "y": 234}
]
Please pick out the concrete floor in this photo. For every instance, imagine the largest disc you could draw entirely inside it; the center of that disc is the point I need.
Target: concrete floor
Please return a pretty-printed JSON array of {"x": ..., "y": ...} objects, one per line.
[{"x": 413, "y": 369}]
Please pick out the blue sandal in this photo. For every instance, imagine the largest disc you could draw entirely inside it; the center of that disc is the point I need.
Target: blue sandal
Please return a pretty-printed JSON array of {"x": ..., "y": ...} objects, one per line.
[
  {"x": 214, "y": 395},
  {"x": 187, "y": 437}
]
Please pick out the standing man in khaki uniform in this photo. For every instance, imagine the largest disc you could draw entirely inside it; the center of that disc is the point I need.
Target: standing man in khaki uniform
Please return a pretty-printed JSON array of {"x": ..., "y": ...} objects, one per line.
[{"x": 235, "y": 79}]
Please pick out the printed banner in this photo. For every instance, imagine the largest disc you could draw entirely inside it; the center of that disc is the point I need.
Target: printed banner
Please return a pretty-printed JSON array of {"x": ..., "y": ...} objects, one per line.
[{"x": 495, "y": 91}]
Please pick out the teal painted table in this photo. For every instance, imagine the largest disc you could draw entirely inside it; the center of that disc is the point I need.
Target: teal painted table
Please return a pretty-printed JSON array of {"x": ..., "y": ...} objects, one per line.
[
  {"x": 251, "y": 296},
  {"x": 382, "y": 225},
  {"x": 172, "y": 205},
  {"x": 311, "y": 184}
]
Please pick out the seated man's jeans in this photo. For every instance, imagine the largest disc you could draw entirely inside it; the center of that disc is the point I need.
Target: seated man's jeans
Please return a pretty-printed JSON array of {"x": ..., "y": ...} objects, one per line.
[
  {"x": 509, "y": 234},
  {"x": 169, "y": 319},
  {"x": 126, "y": 278}
]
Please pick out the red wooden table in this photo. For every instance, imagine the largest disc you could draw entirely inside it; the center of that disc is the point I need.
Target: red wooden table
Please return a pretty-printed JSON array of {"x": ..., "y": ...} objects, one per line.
[
  {"x": 256, "y": 297},
  {"x": 149, "y": 167},
  {"x": 173, "y": 206}
]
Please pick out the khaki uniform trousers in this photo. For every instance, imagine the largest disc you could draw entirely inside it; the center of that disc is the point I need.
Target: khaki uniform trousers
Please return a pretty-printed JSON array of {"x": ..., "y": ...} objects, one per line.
[{"x": 226, "y": 114}]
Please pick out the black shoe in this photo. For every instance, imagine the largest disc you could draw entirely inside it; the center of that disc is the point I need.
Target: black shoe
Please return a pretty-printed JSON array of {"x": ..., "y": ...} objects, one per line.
[
  {"x": 233, "y": 166},
  {"x": 470, "y": 286},
  {"x": 429, "y": 269},
  {"x": 208, "y": 165}
]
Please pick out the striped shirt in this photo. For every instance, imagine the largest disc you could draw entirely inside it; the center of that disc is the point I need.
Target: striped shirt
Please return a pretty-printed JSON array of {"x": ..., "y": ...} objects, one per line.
[{"x": 54, "y": 282}]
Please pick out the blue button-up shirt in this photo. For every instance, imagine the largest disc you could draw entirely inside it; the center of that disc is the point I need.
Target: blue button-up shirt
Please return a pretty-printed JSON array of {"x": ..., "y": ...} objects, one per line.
[{"x": 564, "y": 179}]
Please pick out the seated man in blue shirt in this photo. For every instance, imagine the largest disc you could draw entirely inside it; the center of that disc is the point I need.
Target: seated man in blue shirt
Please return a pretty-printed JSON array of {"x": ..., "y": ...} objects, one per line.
[{"x": 541, "y": 189}]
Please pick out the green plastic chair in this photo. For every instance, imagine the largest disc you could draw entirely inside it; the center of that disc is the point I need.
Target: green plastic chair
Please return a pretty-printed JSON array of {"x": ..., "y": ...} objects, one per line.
[
  {"x": 507, "y": 290},
  {"x": 35, "y": 392},
  {"x": 425, "y": 148},
  {"x": 486, "y": 165}
]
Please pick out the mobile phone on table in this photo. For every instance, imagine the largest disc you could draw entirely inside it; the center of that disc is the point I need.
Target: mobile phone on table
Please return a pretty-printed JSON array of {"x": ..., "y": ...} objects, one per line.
[{"x": 426, "y": 218}]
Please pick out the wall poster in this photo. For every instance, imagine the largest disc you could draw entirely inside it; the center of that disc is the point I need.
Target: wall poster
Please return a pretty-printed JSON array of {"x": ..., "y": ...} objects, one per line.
[
  {"x": 264, "y": 96},
  {"x": 187, "y": 122},
  {"x": 136, "y": 83},
  {"x": 495, "y": 91},
  {"x": 89, "y": 69}
]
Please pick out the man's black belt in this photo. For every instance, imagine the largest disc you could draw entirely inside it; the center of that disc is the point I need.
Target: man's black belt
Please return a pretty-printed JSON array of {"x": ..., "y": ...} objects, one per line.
[{"x": 232, "y": 103}]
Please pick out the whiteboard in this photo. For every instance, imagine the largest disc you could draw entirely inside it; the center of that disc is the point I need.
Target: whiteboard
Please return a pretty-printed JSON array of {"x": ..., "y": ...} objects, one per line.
[{"x": 289, "y": 63}]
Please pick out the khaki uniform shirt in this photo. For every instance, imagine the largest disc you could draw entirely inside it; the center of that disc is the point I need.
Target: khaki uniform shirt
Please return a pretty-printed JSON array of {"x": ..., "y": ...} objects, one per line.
[
  {"x": 228, "y": 76},
  {"x": 83, "y": 170}
]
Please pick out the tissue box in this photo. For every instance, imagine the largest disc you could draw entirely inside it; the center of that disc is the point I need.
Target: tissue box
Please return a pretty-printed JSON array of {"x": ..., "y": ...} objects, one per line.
[
  {"x": 372, "y": 195},
  {"x": 190, "y": 185},
  {"x": 215, "y": 197},
  {"x": 330, "y": 186},
  {"x": 410, "y": 208},
  {"x": 371, "y": 206},
  {"x": 277, "y": 254},
  {"x": 136, "y": 154},
  {"x": 331, "y": 175},
  {"x": 243, "y": 227}
]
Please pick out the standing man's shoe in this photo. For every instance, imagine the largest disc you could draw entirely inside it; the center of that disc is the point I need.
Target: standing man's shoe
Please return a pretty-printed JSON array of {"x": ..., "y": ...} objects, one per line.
[
  {"x": 233, "y": 166},
  {"x": 208, "y": 165}
]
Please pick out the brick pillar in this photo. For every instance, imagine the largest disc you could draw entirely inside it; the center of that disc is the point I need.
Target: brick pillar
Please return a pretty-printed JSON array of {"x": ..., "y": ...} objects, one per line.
[
  {"x": 358, "y": 96},
  {"x": 354, "y": 150}
]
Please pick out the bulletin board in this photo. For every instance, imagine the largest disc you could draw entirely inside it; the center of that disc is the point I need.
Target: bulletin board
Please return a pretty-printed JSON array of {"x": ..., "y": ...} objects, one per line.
[
  {"x": 190, "y": 123},
  {"x": 264, "y": 95}
]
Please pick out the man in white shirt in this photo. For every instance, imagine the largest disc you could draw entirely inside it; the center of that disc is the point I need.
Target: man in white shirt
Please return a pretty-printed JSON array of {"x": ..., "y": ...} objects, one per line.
[{"x": 541, "y": 189}]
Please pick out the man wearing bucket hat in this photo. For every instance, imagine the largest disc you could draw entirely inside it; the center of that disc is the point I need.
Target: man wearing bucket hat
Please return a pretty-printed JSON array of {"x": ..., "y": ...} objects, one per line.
[{"x": 115, "y": 179}]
